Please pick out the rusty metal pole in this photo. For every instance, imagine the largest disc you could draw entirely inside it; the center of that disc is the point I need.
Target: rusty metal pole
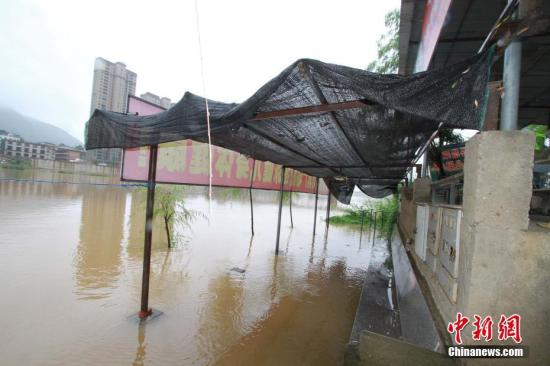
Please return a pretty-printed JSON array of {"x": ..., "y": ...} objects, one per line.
[
  {"x": 250, "y": 195},
  {"x": 290, "y": 207},
  {"x": 280, "y": 210},
  {"x": 362, "y": 222},
  {"x": 328, "y": 210},
  {"x": 145, "y": 311},
  {"x": 316, "y": 200},
  {"x": 374, "y": 232}
]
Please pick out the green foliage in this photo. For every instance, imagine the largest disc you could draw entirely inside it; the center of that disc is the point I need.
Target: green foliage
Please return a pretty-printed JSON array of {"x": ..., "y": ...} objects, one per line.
[
  {"x": 388, "y": 46},
  {"x": 387, "y": 213},
  {"x": 171, "y": 209}
]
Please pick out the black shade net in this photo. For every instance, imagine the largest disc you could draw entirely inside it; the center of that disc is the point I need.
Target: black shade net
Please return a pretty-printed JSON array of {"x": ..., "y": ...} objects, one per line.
[{"x": 370, "y": 144}]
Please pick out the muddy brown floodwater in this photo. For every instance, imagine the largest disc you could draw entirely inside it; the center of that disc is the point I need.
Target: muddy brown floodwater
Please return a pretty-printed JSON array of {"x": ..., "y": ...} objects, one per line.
[{"x": 70, "y": 279}]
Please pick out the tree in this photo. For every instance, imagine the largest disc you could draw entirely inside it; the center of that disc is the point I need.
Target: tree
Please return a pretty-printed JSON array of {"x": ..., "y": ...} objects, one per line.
[
  {"x": 170, "y": 208},
  {"x": 388, "y": 46}
]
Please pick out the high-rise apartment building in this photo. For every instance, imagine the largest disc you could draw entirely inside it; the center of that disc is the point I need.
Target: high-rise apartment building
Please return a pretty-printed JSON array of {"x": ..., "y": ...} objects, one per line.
[
  {"x": 164, "y": 102},
  {"x": 113, "y": 82}
]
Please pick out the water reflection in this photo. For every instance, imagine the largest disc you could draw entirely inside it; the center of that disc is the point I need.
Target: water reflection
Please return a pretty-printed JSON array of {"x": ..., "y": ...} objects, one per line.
[
  {"x": 101, "y": 232},
  {"x": 140, "y": 351},
  {"x": 220, "y": 320}
]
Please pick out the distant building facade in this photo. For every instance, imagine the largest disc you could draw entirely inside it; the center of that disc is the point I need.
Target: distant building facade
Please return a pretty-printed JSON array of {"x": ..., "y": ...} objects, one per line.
[
  {"x": 164, "y": 102},
  {"x": 20, "y": 149},
  {"x": 112, "y": 84},
  {"x": 66, "y": 153}
]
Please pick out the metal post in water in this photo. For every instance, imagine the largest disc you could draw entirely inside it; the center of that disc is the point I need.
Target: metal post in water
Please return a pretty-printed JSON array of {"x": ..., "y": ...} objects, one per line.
[
  {"x": 145, "y": 311},
  {"x": 315, "y": 212},
  {"x": 280, "y": 210},
  {"x": 511, "y": 80},
  {"x": 290, "y": 208},
  {"x": 362, "y": 222},
  {"x": 370, "y": 223},
  {"x": 374, "y": 232},
  {"x": 250, "y": 194},
  {"x": 328, "y": 209}
]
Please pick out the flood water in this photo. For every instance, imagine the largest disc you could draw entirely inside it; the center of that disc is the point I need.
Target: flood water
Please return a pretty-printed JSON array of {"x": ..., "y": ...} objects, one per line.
[{"x": 70, "y": 279}]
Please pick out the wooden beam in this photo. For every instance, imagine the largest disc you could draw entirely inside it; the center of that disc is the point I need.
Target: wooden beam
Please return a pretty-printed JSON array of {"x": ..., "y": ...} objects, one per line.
[
  {"x": 493, "y": 106},
  {"x": 329, "y": 107}
]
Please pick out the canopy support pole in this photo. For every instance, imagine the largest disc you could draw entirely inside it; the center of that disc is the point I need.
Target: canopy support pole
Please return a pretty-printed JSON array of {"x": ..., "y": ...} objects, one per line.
[
  {"x": 145, "y": 311},
  {"x": 290, "y": 202},
  {"x": 511, "y": 79},
  {"x": 370, "y": 224},
  {"x": 290, "y": 209},
  {"x": 316, "y": 200},
  {"x": 280, "y": 210},
  {"x": 328, "y": 210},
  {"x": 362, "y": 223},
  {"x": 374, "y": 225},
  {"x": 250, "y": 195}
]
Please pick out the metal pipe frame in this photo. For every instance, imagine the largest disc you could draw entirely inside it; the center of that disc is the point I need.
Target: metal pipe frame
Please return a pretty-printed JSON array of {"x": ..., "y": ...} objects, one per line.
[
  {"x": 374, "y": 232},
  {"x": 145, "y": 311},
  {"x": 511, "y": 80},
  {"x": 316, "y": 200},
  {"x": 328, "y": 210},
  {"x": 250, "y": 195},
  {"x": 362, "y": 223},
  {"x": 280, "y": 210}
]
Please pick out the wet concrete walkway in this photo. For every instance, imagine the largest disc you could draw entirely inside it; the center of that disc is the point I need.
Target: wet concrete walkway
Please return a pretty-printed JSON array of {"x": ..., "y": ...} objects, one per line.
[{"x": 393, "y": 322}]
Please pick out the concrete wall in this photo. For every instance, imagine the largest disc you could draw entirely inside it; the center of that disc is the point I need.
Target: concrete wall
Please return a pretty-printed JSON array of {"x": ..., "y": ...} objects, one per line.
[
  {"x": 407, "y": 214},
  {"x": 75, "y": 168},
  {"x": 504, "y": 260},
  {"x": 505, "y": 266},
  {"x": 410, "y": 196}
]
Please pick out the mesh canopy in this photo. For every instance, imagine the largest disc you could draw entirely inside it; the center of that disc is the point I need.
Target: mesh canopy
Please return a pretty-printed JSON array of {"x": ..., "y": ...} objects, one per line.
[{"x": 369, "y": 143}]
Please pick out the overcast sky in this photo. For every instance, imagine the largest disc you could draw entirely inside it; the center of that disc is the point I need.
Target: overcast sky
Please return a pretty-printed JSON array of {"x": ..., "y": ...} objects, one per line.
[{"x": 49, "y": 47}]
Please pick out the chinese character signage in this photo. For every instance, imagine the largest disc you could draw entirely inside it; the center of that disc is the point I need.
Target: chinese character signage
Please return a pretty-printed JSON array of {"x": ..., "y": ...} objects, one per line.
[
  {"x": 187, "y": 162},
  {"x": 452, "y": 160},
  {"x": 508, "y": 327}
]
